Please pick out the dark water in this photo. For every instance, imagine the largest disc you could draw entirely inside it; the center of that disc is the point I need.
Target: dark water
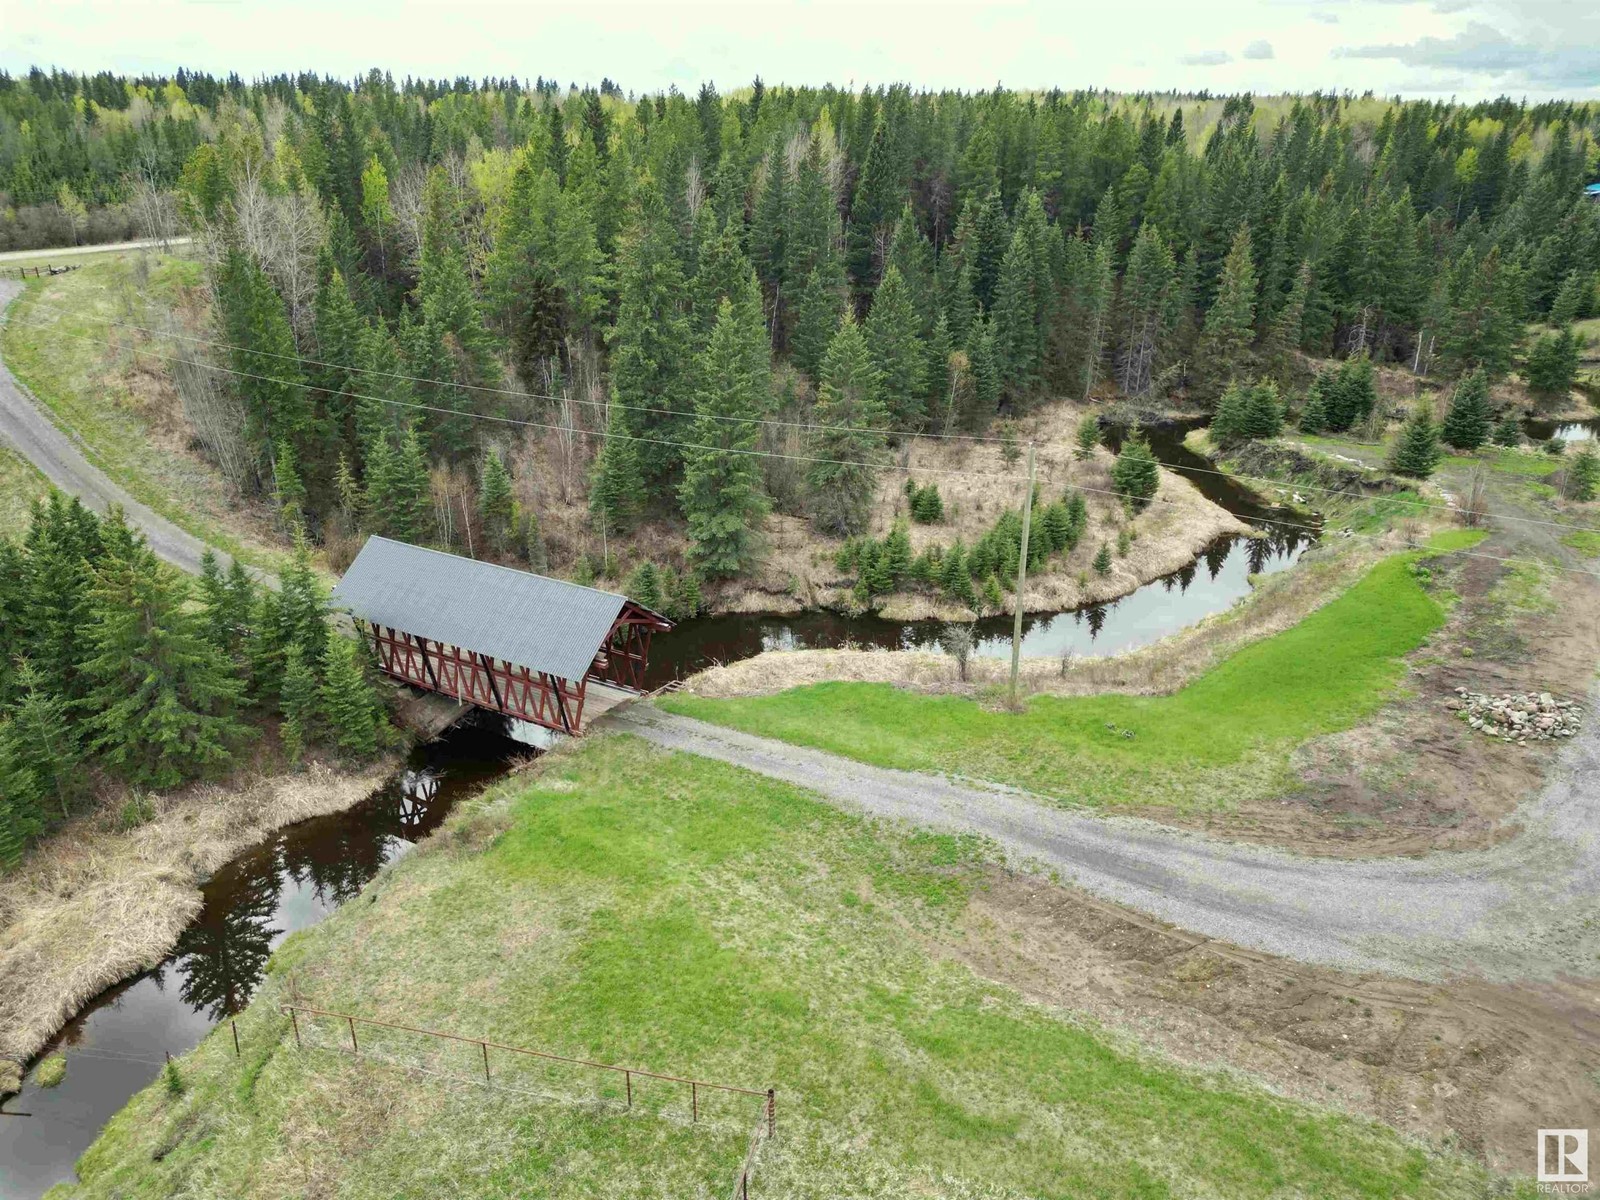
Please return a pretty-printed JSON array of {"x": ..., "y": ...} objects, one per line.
[
  {"x": 115, "y": 1046},
  {"x": 1540, "y": 430},
  {"x": 1210, "y": 584}
]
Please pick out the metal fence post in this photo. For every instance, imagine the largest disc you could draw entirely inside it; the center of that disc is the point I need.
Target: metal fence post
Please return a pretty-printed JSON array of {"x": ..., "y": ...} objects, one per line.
[
  {"x": 485, "y": 1046},
  {"x": 694, "y": 1099},
  {"x": 772, "y": 1111},
  {"x": 353, "y": 1045},
  {"x": 627, "y": 1077},
  {"x": 294, "y": 1019},
  {"x": 236, "y": 1052}
]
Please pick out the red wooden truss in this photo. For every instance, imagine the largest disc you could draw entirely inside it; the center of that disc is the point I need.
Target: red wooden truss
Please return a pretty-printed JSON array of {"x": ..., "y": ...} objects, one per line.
[{"x": 504, "y": 687}]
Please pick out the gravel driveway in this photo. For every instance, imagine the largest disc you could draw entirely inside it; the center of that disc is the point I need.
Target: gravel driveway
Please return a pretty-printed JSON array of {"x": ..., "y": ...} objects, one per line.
[
  {"x": 1529, "y": 907},
  {"x": 63, "y": 461}
]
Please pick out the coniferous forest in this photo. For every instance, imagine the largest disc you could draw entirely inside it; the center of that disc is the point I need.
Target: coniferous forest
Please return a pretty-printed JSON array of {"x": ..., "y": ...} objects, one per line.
[
  {"x": 721, "y": 306},
  {"x": 116, "y": 668}
]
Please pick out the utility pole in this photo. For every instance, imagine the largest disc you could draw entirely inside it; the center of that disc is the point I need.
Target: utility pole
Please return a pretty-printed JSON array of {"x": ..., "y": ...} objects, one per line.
[{"x": 1022, "y": 580}]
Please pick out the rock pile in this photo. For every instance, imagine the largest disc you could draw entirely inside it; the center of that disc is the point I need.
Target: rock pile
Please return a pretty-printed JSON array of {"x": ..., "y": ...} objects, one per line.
[{"x": 1516, "y": 717}]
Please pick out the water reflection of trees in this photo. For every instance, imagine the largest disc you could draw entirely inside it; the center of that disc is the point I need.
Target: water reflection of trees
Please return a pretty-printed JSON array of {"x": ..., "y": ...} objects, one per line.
[{"x": 221, "y": 956}]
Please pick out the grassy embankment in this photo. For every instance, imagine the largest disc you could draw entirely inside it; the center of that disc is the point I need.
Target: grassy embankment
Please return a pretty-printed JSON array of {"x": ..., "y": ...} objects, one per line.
[
  {"x": 20, "y": 485},
  {"x": 676, "y": 913},
  {"x": 121, "y": 406},
  {"x": 1222, "y": 737}
]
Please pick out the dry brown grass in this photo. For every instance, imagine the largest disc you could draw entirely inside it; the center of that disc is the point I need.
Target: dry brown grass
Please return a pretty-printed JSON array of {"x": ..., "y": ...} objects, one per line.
[
  {"x": 1279, "y": 602},
  {"x": 95, "y": 903},
  {"x": 797, "y": 568}
]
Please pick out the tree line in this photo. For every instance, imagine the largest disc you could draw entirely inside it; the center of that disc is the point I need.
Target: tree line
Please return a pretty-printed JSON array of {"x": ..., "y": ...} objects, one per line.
[
  {"x": 117, "y": 669},
  {"x": 664, "y": 280}
]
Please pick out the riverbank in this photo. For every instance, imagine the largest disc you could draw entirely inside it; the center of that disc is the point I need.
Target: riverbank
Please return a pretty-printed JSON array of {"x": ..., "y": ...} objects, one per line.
[
  {"x": 1276, "y": 603},
  {"x": 98, "y": 901},
  {"x": 665, "y": 911},
  {"x": 977, "y": 486}
]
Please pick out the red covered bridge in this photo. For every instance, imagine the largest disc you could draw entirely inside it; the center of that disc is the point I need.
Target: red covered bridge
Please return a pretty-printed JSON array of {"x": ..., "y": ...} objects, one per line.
[{"x": 531, "y": 647}]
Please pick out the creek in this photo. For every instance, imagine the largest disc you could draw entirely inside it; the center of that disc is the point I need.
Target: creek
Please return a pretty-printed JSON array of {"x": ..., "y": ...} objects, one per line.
[{"x": 116, "y": 1045}]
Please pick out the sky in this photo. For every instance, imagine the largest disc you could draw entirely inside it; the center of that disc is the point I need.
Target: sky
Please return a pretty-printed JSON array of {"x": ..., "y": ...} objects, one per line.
[{"x": 1434, "y": 48}]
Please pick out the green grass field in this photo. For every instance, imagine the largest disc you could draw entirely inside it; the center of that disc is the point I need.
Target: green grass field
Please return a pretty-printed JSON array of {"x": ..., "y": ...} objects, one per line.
[
  {"x": 1222, "y": 737},
  {"x": 679, "y": 914},
  {"x": 81, "y": 371},
  {"x": 20, "y": 485}
]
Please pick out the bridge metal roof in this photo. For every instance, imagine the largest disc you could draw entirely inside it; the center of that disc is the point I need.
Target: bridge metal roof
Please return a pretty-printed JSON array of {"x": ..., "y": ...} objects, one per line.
[{"x": 531, "y": 620}]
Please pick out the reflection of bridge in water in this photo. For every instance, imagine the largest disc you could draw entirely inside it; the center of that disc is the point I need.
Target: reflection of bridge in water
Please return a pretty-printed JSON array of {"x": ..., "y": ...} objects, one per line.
[
  {"x": 418, "y": 791},
  {"x": 537, "y": 649}
]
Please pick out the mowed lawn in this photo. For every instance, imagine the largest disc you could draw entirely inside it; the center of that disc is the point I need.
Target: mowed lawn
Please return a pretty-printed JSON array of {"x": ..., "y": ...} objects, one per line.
[
  {"x": 1224, "y": 736},
  {"x": 679, "y": 914}
]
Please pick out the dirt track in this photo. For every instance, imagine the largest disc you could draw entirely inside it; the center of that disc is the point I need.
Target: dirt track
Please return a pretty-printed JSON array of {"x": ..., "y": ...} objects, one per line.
[
  {"x": 64, "y": 462},
  {"x": 1518, "y": 910}
]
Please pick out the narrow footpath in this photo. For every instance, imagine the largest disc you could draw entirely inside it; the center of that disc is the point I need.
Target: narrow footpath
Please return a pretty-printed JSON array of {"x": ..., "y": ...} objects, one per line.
[{"x": 1519, "y": 910}]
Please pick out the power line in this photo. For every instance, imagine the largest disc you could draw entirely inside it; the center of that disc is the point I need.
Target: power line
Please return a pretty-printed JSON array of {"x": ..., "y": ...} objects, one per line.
[
  {"x": 498, "y": 391},
  {"x": 515, "y": 421},
  {"x": 663, "y": 411}
]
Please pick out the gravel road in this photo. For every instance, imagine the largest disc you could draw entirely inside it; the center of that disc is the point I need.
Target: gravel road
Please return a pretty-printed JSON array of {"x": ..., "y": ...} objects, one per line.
[
  {"x": 65, "y": 462},
  {"x": 32, "y": 257},
  {"x": 1523, "y": 909}
]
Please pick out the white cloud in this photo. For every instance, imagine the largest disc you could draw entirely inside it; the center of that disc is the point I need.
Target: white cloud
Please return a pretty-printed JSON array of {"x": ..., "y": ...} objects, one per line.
[
  {"x": 1259, "y": 50},
  {"x": 650, "y": 44}
]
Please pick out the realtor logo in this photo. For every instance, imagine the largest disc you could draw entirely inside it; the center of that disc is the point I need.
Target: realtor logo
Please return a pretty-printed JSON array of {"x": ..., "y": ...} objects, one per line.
[{"x": 1563, "y": 1156}]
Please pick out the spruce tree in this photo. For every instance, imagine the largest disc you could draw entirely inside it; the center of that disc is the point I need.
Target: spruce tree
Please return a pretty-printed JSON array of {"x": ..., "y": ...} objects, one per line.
[
  {"x": 1022, "y": 306},
  {"x": 721, "y": 492},
  {"x": 644, "y": 586},
  {"x": 817, "y": 312},
  {"x": 287, "y": 489},
  {"x": 895, "y": 559},
  {"x": 264, "y": 356},
  {"x": 1263, "y": 415},
  {"x": 163, "y": 698},
  {"x": 340, "y": 334},
  {"x": 1467, "y": 422},
  {"x": 42, "y": 738},
  {"x": 1102, "y": 560},
  {"x": 1584, "y": 474},
  {"x": 1096, "y": 297},
  {"x": 444, "y": 290},
  {"x": 1088, "y": 437},
  {"x": 847, "y": 440},
  {"x": 937, "y": 387},
  {"x": 1078, "y": 515},
  {"x": 617, "y": 491},
  {"x": 1136, "y": 475},
  {"x": 1553, "y": 363},
  {"x": 298, "y": 702},
  {"x": 1230, "y": 323},
  {"x": 1314, "y": 412},
  {"x": 62, "y": 547},
  {"x": 1228, "y": 425},
  {"x": 986, "y": 383},
  {"x": 1143, "y": 322},
  {"x": 652, "y": 342},
  {"x": 411, "y": 493},
  {"x": 1508, "y": 432},
  {"x": 497, "y": 507},
  {"x": 1416, "y": 453},
  {"x": 349, "y": 709},
  {"x": 897, "y": 352}
]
